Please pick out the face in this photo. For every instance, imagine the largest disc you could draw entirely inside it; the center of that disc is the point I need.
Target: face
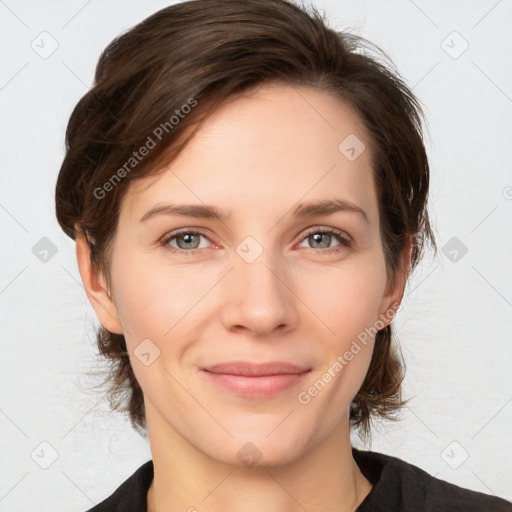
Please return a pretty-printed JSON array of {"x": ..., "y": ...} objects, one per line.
[{"x": 269, "y": 281}]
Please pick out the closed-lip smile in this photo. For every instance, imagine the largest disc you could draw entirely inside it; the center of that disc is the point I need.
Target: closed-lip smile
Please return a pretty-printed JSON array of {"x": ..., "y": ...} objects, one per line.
[{"x": 256, "y": 380}]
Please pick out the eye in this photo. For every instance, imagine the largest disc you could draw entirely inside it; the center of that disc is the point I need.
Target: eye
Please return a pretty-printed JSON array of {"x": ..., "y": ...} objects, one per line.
[
  {"x": 321, "y": 238},
  {"x": 188, "y": 242}
]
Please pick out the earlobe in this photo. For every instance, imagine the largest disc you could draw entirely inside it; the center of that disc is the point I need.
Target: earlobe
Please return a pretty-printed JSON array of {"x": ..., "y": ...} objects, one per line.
[{"x": 96, "y": 289}]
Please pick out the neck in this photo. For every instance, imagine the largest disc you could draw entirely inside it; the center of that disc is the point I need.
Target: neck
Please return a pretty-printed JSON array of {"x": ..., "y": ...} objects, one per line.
[{"x": 326, "y": 478}]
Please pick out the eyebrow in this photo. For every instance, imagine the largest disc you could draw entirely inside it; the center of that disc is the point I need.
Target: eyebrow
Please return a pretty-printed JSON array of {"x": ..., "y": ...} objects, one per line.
[{"x": 302, "y": 210}]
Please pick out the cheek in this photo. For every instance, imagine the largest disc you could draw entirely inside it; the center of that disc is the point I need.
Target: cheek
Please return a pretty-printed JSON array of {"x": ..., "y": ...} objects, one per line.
[
  {"x": 347, "y": 306},
  {"x": 152, "y": 305},
  {"x": 158, "y": 302},
  {"x": 145, "y": 294},
  {"x": 142, "y": 297},
  {"x": 347, "y": 298}
]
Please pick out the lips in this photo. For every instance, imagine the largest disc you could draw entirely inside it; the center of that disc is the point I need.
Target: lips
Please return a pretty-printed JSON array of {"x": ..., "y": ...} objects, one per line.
[
  {"x": 255, "y": 380},
  {"x": 247, "y": 369}
]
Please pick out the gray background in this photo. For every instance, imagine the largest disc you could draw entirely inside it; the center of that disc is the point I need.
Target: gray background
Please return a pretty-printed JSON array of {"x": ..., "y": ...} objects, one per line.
[{"x": 454, "y": 326}]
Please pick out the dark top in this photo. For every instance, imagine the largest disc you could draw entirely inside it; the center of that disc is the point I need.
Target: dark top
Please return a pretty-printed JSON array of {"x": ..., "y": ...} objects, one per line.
[{"x": 397, "y": 487}]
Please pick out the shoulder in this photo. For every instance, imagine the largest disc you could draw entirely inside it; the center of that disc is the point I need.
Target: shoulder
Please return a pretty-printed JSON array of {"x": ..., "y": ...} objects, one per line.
[
  {"x": 399, "y": 485},
  {"x": 130, "y": 496}
]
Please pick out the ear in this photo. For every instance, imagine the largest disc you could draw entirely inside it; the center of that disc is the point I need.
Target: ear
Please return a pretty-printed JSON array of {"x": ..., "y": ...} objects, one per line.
[
  {"x": 393, "y": 297},
  {"x": 96, "y": 289}
]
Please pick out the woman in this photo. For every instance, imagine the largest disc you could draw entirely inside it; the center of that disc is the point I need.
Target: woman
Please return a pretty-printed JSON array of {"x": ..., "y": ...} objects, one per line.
[{"x": 248, "y": 195}]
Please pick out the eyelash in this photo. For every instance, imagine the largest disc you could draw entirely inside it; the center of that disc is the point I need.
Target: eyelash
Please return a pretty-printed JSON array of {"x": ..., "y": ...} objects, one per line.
[{"x": 345, "y": 242}]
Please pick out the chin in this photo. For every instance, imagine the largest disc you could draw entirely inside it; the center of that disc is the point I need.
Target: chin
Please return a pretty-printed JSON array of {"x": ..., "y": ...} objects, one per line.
[{"x": 255, "y": 449}]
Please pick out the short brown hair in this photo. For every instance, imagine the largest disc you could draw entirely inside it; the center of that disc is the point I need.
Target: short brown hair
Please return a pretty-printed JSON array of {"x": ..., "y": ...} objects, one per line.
[{"x": 207, "y": 52}]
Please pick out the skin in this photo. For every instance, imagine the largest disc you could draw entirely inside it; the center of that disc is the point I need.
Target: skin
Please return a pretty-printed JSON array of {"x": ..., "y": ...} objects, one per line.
[{"x": 256, "y": 157}]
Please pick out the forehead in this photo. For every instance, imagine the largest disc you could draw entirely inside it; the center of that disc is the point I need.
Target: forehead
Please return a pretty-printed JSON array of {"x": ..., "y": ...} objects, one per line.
[{"x": 276, "y": 145}]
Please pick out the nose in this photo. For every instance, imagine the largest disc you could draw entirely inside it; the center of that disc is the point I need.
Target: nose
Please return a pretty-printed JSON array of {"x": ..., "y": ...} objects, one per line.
[{"x": 258, "y": 298}]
